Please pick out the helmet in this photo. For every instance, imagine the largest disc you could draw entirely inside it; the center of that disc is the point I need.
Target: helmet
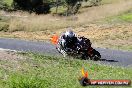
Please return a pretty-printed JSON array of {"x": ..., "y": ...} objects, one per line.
[{"x": 69, "y": 34}]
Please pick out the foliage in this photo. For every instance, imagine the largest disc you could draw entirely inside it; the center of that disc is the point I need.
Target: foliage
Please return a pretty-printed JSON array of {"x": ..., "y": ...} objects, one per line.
[
  {"x": 43, "y": 6},
  {"x": 72, "y": 6},
  {"x": 4, "y": 26},
  {"x": 95, "y": 2},
  {"x": 3, "y": 5},
  {"x": 37, "y": 6}
]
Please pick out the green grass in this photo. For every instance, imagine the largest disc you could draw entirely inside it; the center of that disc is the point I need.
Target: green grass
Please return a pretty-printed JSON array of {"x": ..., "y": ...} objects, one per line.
[
  {"x": 126, "y": 17},
  {"x": 39, "y": 71},
  {"x": 122, "y": 18}
]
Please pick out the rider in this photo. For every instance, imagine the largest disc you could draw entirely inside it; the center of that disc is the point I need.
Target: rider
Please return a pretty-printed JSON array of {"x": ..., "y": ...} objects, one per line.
[{"x": 68, "y": 40}]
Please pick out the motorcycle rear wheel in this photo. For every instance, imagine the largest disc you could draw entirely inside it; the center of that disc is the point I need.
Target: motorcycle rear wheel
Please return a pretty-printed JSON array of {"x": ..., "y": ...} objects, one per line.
[{"x": 96, "y": 55}]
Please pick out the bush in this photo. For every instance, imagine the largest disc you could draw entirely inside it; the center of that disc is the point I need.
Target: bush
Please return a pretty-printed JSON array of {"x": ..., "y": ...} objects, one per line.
[
  {"x": 72, "y": 6},
  {"x": 95, "y": 2},
  {"x": 4, "y": 26},
  {"x": 42, "y": 9},
  {"x": 3, "y": 6},
  {"x": 32, "y": 6}
]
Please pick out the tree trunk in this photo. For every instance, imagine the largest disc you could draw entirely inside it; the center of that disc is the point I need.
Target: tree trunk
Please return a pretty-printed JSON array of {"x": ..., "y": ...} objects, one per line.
[{"x": 56, "y": 6}]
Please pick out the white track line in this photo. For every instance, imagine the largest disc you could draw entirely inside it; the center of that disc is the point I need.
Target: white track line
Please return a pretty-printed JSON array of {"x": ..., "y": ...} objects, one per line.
[{"x": 2, "y": 49}]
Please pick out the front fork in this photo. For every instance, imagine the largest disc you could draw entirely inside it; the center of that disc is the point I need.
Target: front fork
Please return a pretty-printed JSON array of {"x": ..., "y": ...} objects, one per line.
[{"x": 59, "y": 47}]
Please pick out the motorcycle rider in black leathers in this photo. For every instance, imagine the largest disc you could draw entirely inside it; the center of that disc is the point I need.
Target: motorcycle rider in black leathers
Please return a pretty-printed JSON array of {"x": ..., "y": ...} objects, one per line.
[
  {"x": 69, "y": 44},
  {"x": 68, "y": 41}
]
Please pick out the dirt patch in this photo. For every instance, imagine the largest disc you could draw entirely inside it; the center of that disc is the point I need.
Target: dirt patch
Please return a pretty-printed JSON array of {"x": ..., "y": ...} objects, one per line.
[
  {"x": 9, "y": 60},
  {"x": 108, "y": 36},
  {"x": 9, "y": 55}
]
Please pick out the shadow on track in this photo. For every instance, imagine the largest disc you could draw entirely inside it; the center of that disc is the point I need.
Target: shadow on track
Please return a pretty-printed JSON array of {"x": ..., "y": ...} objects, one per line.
[{"x": 108, "y": 60}]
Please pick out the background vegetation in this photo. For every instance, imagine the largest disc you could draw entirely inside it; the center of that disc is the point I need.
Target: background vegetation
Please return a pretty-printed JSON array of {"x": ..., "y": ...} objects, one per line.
[{"x": 44, "y": 6}]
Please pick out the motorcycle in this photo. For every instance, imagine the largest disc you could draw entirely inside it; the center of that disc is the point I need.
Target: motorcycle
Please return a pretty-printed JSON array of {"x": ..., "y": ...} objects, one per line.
[
  {"x": 87, "y": 51},
  {"x": 82, "y": 49}
]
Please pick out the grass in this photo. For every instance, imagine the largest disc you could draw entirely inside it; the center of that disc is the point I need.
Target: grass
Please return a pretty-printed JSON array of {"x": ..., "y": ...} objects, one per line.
[
  {"x": 125, "y": 17},
  {"x": 3, "y": 26},
  {"x": 90, "y": 2},
  {"x": 40, "y": 71},
  {"x": 109, "y": 1},
  {"x": 4, "y": 23}
]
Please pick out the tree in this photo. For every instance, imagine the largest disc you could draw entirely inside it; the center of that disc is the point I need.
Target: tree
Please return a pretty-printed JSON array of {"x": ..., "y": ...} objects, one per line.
[
  {"x": 38, "y": 6},
  {"x": 72, "y": 6}
]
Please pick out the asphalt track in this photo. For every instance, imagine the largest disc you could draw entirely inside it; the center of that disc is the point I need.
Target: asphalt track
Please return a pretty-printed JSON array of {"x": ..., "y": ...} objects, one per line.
[{"x": 110, "y": 57}]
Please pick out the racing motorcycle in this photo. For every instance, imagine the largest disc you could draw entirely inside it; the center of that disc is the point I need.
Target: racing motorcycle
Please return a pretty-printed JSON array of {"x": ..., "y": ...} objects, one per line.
[
  {"x": 87, "y": 52},
  {"x": 82, "y": 49}
]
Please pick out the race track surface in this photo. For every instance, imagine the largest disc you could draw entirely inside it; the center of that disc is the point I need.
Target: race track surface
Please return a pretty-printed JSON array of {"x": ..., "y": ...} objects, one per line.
[{"x": 110, "y": 57}]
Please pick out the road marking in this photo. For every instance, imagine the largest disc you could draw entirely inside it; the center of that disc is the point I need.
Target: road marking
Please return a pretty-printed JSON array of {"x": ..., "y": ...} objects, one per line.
[{"x": 2, "y": 49}]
